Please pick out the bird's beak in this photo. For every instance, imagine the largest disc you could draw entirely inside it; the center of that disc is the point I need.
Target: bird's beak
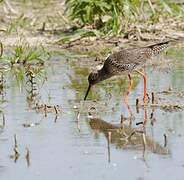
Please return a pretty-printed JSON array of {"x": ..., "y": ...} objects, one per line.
[{"x": 87, "y": 92}]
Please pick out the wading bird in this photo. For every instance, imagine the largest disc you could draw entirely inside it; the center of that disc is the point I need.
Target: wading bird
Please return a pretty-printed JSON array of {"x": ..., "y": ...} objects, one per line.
[{"x": 125, "y": 61}]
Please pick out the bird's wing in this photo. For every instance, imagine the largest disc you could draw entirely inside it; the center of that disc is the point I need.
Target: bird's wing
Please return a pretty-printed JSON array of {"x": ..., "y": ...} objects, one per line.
[
  {"x": 129, "y": 59},
  {"x": 126, "y": 59}
]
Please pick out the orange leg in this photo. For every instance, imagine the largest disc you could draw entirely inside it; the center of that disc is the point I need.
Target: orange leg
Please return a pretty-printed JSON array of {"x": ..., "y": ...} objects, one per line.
[
  {"x": 146, "y": 97},
  {"x": 127, "y": 94},
  {"x": 129, "y": 88}
]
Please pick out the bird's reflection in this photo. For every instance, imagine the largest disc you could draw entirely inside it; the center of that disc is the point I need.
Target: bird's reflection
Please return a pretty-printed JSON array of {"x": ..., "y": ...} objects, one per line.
[{"x": 126, "y": 137}]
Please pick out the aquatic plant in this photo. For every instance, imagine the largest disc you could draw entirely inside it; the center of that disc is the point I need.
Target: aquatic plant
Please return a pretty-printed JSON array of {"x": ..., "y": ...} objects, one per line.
[
  {"x": 23, "y": 60},
  {"x": 24, "y": 54}
]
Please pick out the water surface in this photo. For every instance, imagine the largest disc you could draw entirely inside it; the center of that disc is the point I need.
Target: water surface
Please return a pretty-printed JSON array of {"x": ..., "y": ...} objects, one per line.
[{"x": 65, "y": 148}]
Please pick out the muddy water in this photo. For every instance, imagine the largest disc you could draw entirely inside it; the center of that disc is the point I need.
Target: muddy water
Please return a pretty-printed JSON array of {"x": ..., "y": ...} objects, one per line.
[{"x": 97, "y": 148}]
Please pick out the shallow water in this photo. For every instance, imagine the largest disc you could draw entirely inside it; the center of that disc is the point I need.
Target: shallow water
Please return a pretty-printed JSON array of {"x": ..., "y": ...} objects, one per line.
[{"x": 65, "y": 148}]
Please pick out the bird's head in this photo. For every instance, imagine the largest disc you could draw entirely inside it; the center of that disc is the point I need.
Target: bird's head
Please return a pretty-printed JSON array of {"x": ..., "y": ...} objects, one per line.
[{"x": 93, "y": 79}]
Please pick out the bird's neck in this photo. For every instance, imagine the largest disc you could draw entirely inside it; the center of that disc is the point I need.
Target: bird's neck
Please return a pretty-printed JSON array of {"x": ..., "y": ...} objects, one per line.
[{"x": 102, "y": 74}]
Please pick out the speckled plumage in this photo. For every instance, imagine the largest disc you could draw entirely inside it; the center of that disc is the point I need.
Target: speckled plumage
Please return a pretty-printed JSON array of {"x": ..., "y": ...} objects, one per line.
[
  {"x": 126, "y": 60},
  {"x": 130, "y": 59}
]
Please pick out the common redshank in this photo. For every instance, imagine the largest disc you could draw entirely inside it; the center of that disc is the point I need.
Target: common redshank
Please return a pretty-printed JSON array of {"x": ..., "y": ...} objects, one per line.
[{"x": 126, "y": 61}]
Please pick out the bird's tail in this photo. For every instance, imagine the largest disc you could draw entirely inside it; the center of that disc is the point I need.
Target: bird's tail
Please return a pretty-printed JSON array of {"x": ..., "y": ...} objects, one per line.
[{"x": 159, "y": 47}]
